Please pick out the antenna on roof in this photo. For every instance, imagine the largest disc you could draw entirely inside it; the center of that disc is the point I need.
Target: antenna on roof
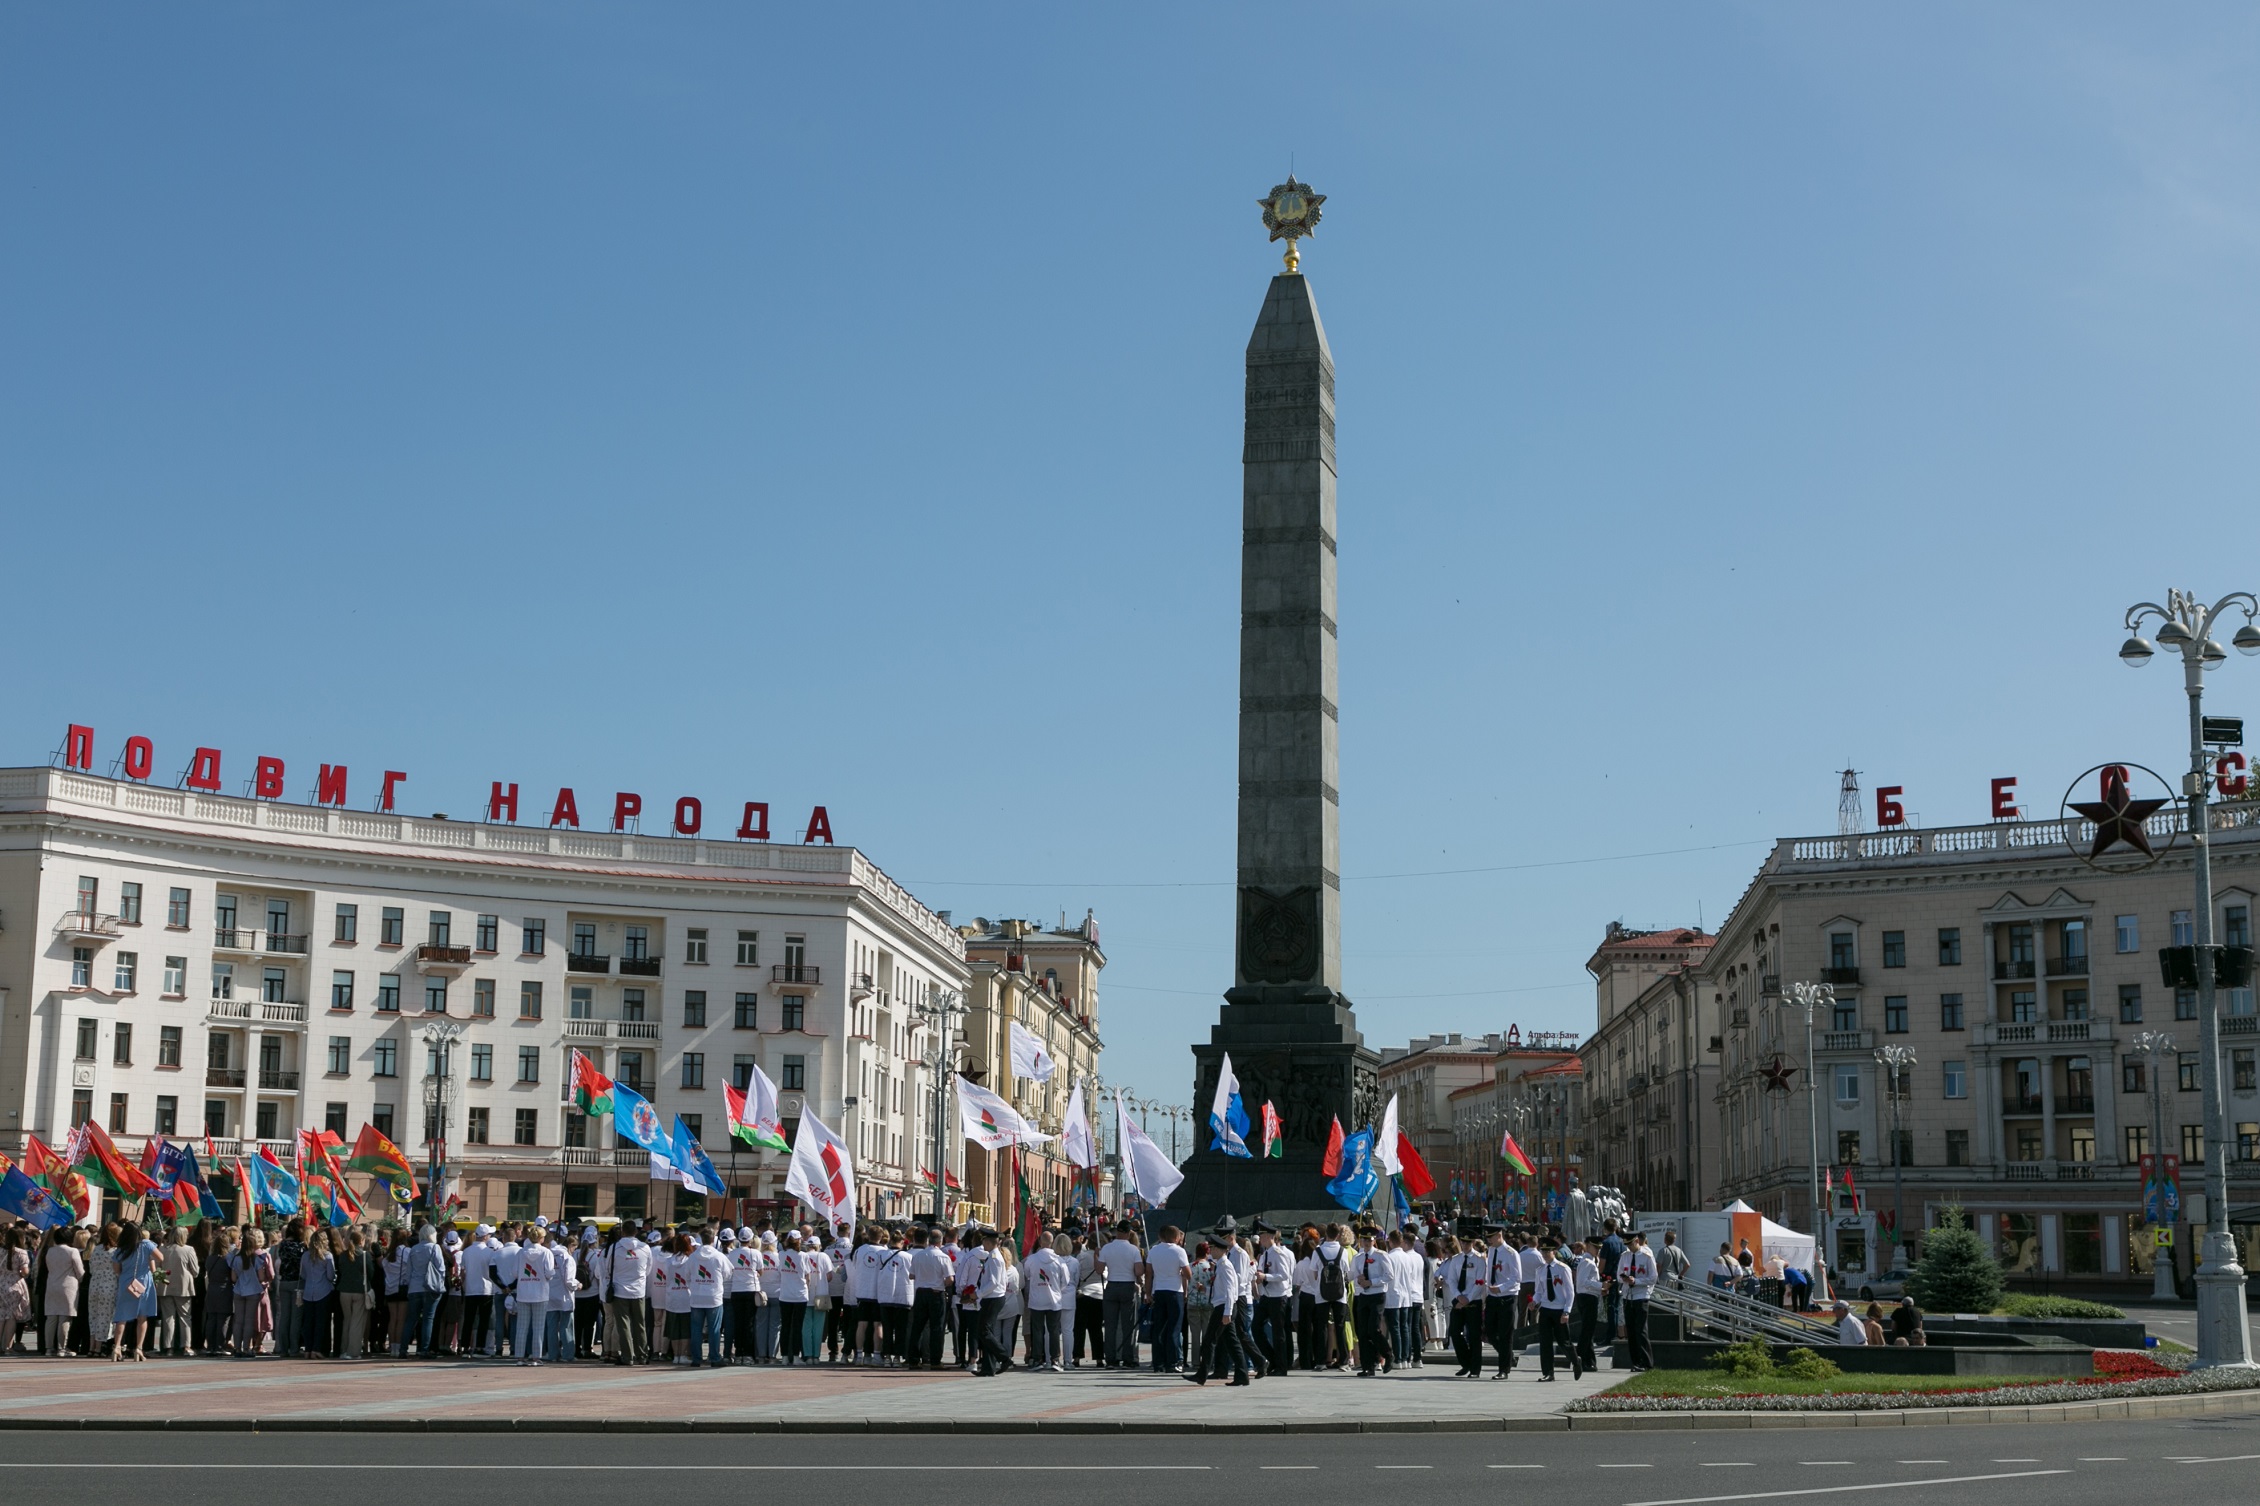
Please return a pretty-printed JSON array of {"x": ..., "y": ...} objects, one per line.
[{"x": 1849, "y": 812}]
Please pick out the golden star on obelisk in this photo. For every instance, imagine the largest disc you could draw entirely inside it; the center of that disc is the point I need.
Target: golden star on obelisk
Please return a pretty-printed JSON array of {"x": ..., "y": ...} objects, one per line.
[{"x": 1291, "y": 210}]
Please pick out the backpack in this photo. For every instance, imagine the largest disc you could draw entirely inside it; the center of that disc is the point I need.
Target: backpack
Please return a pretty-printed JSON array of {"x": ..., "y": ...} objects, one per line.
[{"x": 1330, "y": 1283}]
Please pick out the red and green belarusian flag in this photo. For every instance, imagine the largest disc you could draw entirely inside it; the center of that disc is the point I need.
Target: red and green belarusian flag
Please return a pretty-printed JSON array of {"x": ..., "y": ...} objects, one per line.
[
  {"x": 753, "y": 1113},
  {"x": 1274, "y": 1133},
  {"x": 380, "y": 1158},
  {"x": 317, "y": 1161},
  {"x": 96, "y": 1159},
  {"x": 1029, "y": 1229},
  {"x": 592, "y": 1090},
  {"x": 1512, "y": 1154},
  {"x": 54, "y": 1173}
]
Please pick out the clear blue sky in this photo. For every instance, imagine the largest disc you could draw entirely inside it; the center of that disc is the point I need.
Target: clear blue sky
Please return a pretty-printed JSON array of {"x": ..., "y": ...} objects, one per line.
[{"x": 844, "y": 405}]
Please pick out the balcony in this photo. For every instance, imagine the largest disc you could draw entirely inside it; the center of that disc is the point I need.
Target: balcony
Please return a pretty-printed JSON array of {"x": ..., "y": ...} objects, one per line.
[
  {"x": 2067, "y": 967},
  {"x": 587, "y": 1030},
  {"x": 223, "y": 1077},
  {"x": 281, "y": 1012},
  {"x": 2075, "y": 1171},
  {"x": 588, "y": 962},
  {"x": 794, "y": 972},
  {"x": 235, "y": 939},
  {"x": 2010, "y": 970},
  {"x": 636, "y": 1030},
  {"x": 639, "y": 967},
  {"x": 861, "y": 987},
  {"x": 2025, "y": 1171},
  {"x": 1840, "y": 975},
  {"x": 1847, "y": 1040},
  {"x": 1769, "y": 983},
  {"x": 1739, "y": 1020},
  {"x": 439, "y": 957},
  {"x": 2075, "y": 1103},
  {"x": 228, "y": 1010},
  {"x": 275, "y": 1080},
  {"x": 278, "y": 941},
  {"x": 2021, "y": 1105},
  {"x": 85, "y": 925},
  {"x": 2240, "y": 1024}
]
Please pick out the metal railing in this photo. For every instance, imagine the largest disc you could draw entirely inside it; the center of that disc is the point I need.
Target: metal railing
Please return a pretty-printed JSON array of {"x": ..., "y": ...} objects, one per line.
[
  {"x": 639, "y": 967},
  {"x": 278, "y": 941},
  {"x": 2060, "y": 967},
  {"x": 1738, "y": 1317},
  {"x": 87, "y": 923},
  {"x": 794, "y": 972},
  {"x": 588, "y": 962}
]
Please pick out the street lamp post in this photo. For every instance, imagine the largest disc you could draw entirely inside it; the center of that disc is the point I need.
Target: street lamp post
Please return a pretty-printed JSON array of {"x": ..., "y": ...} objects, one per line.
[
  {"x": 2186, "y": 625},
  {"x": 1897, "y": 1061},
  {"x": 2160, "y": 1047},
  {"x": 1812, "y": 997},
  {"x": 439, "y": 1037},
  {"x": 939, "y": 1009}
]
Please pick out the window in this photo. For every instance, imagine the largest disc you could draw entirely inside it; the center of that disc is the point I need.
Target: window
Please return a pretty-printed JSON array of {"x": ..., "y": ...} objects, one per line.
[
  {"x": 1895, "y": 1014},
  {"x": 2083, "y": 1240},
  {"x": 333, "y": 1119},
  {"x": 380, "y": 1119},
  {"x": 1848, "y": 1147},
  {"x": 168, "y": 1045},
  {"x": 795, "y": 1074},
  {"x": 2247, "y": 1141},
  {"x": 121, "y": 1045},
  {"x": 128, "y": 969},
  {"x": 2028, "y": 1142},
  {"x": 1840, "y": 950},
  {"x": 278, "y": 922},
  {"x": 347, "y": 928},
  {"x": 694, "y": 1069},
  {"x": 117, "y": 1113},
  {"x": 442, "y": 922},
  {"x": 1904, "y": 1148},
  {"x": 694, "y": 946},
  {"x": 533, "y": 936},
  {"x": 2193, "y": 1145},
  {"x": 176, "y": 910},
  {"x": 696, "y": 1124},
  {"x": 392, "y": 927},
  {"x": 525, "y": 1123},
  {"x": 1895, "y": 949},
  {"x": 635, "y": 944},
  {"x": 341, "y": 991},
  {"x": 176, "y": 977},
  {"x": 741, "y": 1072},
  {"x": 482, "y": 998},
  {"x": 529, "y": 999},
  {"x": 630, "y": 1200},
  {"x": 216, "y": 1050},
  {"x": 435, "y": 994},
  {"x": 82, "y": 967},
  {"x": 1950, "y": 1011},
  {"x": 795, "y": 1007},
  {"x": 584, "y": 940},
  {"x": 2075, "y": 940},
  {"x": 475, "y": 1125},
  {"x": 1846, "y": 1076},
  {"x": 168, "y": 1115},
  {"x": 694, "y": 1009},
  {"x": 482, "y": 1062},
  {"x": 2239, "y": 1002},
  {"x": 631, "y": 1069},
  {"x": 2188, "y": 1083},
  {"x": 1846, "y": 1015},
  {"x": 386, "y": 1056},
  {"x": 529, "y": 1064},
  {"x": 2137, "y": 1143},
  {"x": 341, "y": 1055},
  {"x": 388, "y": 993},
  {"x": 1957, "y": 1147},
  {"x": 1957, "y": 1080},
  {"x": 89, "y": 895},
  {"x": 82, "y": 1106},
  {"x": 576, "y": 1130},
  {"x": 749, "y": 948},
  {"x": 1950, "y": 946},
  {"x": 2236, "y": 925},
  {"x": 2130, "y": 1003},
  {"x": 89, "y": 1035},
  {"x": 2243, "y": 1078},
  {"x": 631, "y": 1003},
  {"x": 2183, "y": 929},
  {"x": 490, "y": 932},
  {"x": 2131, "y": 1075},
  {"x": 129, "y": 904},
  {"x": 748, "y": 1011},
  {"x": 2022, "y": 1009},
  {"x": 2075, "y": 1003},
  {"x": 2128, "y": 931},
  {"x": 2185, "y": 1003}
]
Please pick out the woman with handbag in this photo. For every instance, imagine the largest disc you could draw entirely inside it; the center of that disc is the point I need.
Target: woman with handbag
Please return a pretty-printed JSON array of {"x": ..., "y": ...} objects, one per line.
[
  {"x": 133, "y": 1269},
  {"x": 254, "y": 1272}
]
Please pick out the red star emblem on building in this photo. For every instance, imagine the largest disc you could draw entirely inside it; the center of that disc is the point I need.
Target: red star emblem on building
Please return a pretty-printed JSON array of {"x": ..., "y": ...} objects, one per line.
[
  {"x": 2118, "y": 819},
  {"x": 1777, "y": 1073}
]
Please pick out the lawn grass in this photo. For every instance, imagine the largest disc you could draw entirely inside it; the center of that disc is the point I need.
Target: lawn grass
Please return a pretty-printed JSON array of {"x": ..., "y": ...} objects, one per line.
[{"x": 1712, "y": 1383}]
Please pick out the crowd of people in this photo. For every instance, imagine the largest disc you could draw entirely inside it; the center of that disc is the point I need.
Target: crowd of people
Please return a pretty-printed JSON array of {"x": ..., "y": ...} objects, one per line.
[{"x": 1228, "y": 1304}]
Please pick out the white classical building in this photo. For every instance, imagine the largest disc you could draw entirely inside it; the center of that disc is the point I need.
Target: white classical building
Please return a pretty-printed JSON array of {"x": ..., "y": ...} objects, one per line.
[{"x": 192, "y": 964}]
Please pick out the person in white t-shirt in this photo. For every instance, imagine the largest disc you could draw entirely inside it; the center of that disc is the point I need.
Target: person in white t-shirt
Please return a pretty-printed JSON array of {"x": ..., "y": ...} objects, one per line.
[
  {"x": 531, "y": 1292},
  {"x": 744, "y": 1299},
  {"x": 627, "y": 1268},
  {"x": 895, "y": 1293},
  {"x": 1168, "y": 1270},
  {"x": 1048, "y": 1274},
  {"x": 863, "y": 1295},
  {"x": 930, "y": 1275},
  {"x": 706, "y": 1277},
  {"x": 1122, "y": 1263}
]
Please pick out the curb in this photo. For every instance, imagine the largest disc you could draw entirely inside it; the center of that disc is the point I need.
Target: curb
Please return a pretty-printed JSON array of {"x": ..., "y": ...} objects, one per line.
[{"x": 2133, "y": 1408}]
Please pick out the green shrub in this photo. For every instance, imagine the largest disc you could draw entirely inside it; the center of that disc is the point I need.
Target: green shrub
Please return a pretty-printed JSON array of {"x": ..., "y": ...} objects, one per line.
[
  {"x": 1805, "y": 1365},
  {"x": 1752, "y": 1359},
  {"x": 2026, "y": 1305},
  {"x": 1957, "y": 1274}
]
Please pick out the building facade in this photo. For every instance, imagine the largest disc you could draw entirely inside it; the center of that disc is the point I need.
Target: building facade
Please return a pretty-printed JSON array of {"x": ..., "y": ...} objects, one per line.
[
  {"x": 1651, "y": 1067},
  {"x": 187, "y": 964},
  {"x": 1533, "y": 1089},
  {"x": 1048, "y": 981},
  {"x": 1423, "y": 1075},
  {"x": 2019, "y": 975}
]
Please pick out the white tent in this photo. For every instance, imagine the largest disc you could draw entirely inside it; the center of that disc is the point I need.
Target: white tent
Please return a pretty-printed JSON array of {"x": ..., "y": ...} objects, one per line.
[{"x": 1701, "y": 1234}]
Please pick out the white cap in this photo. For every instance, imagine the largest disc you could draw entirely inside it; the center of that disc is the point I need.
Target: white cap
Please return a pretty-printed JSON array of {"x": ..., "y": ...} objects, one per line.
[
  {"x": 483, "y": 1231},
  {"x": 744, "y": 1232},
  {"x": 588, "y": 1234},
  {"x": 454, "y": 1241},
  {"x": 541, "y": 1221},
  {"x": 651, "y": 1236}
]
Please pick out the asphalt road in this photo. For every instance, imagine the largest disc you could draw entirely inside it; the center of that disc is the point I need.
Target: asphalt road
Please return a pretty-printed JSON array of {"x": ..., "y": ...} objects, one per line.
[{"x": 2208, "y": 1462}]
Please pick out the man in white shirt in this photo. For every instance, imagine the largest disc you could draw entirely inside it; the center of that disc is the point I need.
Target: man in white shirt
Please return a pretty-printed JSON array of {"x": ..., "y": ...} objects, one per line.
[
  {"x": 984, "y": 1276},
  {"x": 1556, "y": 1295},
  {"x": 1408, "y": 1271},
  {"x": 863, "y": 1295},
  {"x": 1369, "y": 1283},
  {"x": 1329, "y": 1291},
  {"x": 1090, "y": 1297},
  {"x": 1466, "y": 1281},
  {"x": 478, "y": 1291},
  {"x": 1050, "y": 1287},
  {"x": 1636, "y": 1275},
  {"x": 627, "y": 1334},
  {"x": 709, "y": 1277},
  {"x": 530, "y": 1289},
  {"x": 743, "y": 1301},
  {"x": 1274, "y": 1284},
  {"x": 1585, "y": 1261},
  {"x": 929, "y": 1300},
  {"x": 894, "y": 1289},
  {"x": 1533, "y": 1266},
  {"x": 1123, "y": 1263},
  {"x": 1504, "y": 1294},
  {"x": 1167, "y": 1266},
  {"x": 557, "y": 1310},
  {"x": 1849, "y": 1328},
  {"x": 1228, "y": 1294}
]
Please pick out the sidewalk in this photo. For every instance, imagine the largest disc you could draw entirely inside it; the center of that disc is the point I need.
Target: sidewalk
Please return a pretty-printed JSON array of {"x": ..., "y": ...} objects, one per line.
[{"x": 301, "y": 1394}]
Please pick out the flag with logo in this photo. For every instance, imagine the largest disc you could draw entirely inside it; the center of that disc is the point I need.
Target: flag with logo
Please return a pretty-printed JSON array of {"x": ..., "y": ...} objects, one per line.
[
  {"x": 637, "y": 1122},
  {"x": 374, "y": 1155},
  {"x": 990, "y": 1122},
  {"x": 753, "y": 1113},
  {"x": 96, "y": 1159},
  {"x": 822, "y": 1174},
  {"x": 317, "y": 1154},
  {"x": 1274, "y": 1133},
  {"x": 52, "y": 1172},
  {"x": 1227, "y": 1116},
  {"x": 1512, "y": 1154},
  {"x": 1354, "y": 1178},
  {"x": 29, "y": 1201},
  {"x": 592, "y": 1090},
  {"x": 693, "y": 1167},
  {"x": 1075, "y": 1141},
  {"x": 1029, "y": 1058}
]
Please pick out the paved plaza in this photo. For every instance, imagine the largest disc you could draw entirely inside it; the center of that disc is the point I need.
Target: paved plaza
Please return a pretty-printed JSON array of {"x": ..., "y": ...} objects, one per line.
[{"x": 300, "y": 1393}]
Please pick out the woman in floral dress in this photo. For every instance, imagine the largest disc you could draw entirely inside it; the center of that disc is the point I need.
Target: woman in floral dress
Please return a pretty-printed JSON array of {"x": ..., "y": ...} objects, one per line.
[
  {"x": 15, "y": 1285},
  {"x": 101, "y": 1291}
]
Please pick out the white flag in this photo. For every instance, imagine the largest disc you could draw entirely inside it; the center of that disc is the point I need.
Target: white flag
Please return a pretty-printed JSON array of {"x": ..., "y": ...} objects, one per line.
[
  {"x": 1385, "y": 1141},
  {"x": 1075, "y": 1139},
  {"x": 1151, "y": 1175},
  {"x": 990, "y": 1122},
  {"x": 823, "y": 1172},
  {"x": 1029, "y": 1058}
]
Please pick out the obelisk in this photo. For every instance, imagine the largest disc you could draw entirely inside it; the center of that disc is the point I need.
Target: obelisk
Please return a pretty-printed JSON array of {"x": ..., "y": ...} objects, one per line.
[{"x": 1292, "y": 1036}]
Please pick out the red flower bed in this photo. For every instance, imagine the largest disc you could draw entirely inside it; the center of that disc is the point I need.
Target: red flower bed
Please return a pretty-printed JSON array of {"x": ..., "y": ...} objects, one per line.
[{"x": 2128, "y": 1365}]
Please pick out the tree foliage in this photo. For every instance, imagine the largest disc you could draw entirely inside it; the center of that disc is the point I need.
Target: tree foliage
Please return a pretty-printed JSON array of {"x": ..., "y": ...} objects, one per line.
[{"x": 1957, "y": 1273}]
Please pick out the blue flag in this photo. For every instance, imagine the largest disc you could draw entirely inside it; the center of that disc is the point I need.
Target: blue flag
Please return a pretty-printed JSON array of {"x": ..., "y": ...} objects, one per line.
[
  {"x": 1353, "y": 1186},
  {"x": 697, "y": 1171},
  {"x": 637, "y": 1122},
  {"x": 32, "y": 1203},
  {"x": 1227, "y": 1116},
  {"x": 270, "y": 1186}
]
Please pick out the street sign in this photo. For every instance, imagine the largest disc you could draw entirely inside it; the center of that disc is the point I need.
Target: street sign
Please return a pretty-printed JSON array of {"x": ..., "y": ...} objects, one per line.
[
  {"x": 2163, "y": 1237},
  {"x": 2223, "y": 731}
]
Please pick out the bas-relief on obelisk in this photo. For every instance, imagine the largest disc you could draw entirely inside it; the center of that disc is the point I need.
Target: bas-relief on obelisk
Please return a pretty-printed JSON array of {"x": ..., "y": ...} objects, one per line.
[{"x": 1292, "y": 1037}]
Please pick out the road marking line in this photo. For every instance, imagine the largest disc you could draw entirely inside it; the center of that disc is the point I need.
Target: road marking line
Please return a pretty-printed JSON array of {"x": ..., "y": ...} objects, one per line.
[
  {"x": 1514, "y": 1466},
  {"x": 1624, "y": 1466},
  {"x": 1847, "y": 1461},
  {"x": 1728, "y": 1464},
  {"x": 1290, "y": 1466},
  {"x": 2223, "y": 1459},
  {"x": 1922, "y": 1461},
  {"x": 2103, "y": 1459},
  {"x": 1404, "y": 1466},
  {"x": 677, "y": 1468},
  {"x": 1830, "y": 1490},
  {"x": 2016, "y": 1461}
]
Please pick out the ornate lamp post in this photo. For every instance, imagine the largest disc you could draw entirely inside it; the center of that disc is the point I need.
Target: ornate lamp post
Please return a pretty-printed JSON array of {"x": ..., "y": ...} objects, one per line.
[
  {"x": 439, "y": 1037},
  {"x": 939, "y": 1010},
  {"x": 2160, "y": 1047},
  {"x": 1811, "y": 997},
  {"x": 1897, "y": 1061},
  {"x": 2186, "y": 625}
]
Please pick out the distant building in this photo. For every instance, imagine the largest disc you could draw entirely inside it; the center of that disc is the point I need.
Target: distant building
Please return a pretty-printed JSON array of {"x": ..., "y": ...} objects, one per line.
[
  {"x": 1048, "y": 980},
  {"x": 1651, "y": 1067},
  {"x": 1424, "y": 1075}
]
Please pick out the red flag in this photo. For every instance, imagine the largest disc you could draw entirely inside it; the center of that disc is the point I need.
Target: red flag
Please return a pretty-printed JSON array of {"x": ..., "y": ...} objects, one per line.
[
  {"x": 1332, "y": 1165},
  {"x": 1418, "y": 1182},
  {"x": 1852, "y": 1188}
]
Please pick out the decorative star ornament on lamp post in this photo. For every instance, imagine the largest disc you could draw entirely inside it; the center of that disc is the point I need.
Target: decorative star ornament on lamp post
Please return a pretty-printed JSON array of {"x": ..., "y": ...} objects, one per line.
[{"x": 1291, "y": 210}]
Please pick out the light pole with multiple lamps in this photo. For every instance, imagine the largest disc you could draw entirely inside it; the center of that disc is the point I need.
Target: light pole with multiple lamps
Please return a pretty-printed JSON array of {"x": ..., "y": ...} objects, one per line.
[
  {"x": 2160, "y": 1047},
  {"x": 2186, "y": 625},
  {"x": 1811, "y": 997},
  {"x": 1897, "y": 1062},
  {"x": 939, "y": 1009},
  {"x": 439, "y": 1037}
]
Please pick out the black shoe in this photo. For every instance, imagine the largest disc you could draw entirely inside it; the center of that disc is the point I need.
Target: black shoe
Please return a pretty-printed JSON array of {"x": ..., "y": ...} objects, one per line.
[{"x": 1198, "y": 1380}]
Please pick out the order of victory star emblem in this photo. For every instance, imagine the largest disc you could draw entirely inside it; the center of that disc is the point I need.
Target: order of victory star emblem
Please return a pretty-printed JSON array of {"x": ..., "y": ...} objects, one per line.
[{"x": 1291, "y": 210}]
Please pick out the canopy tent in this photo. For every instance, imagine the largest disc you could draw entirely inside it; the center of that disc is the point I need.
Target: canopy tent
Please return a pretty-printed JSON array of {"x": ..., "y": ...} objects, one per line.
[{"x": 1735, "y": 1225}]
